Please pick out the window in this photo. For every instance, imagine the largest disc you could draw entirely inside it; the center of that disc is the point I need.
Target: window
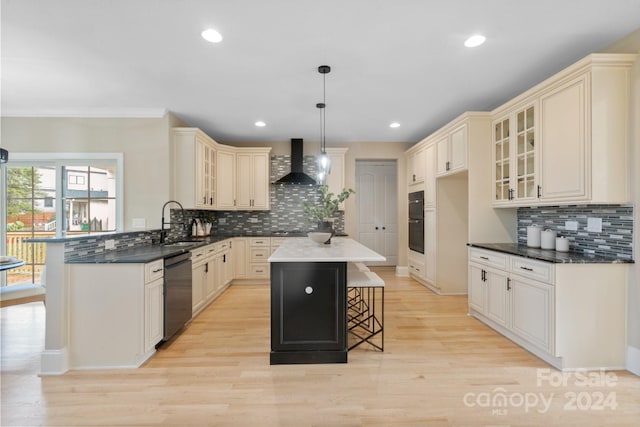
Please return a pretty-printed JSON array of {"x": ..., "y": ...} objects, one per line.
[{"x": 56, "y": 197}]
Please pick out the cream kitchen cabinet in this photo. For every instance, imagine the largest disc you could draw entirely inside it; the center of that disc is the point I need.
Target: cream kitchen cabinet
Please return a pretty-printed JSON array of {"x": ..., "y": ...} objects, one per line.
[
  {"x": 451, "y": 149},
  {"x": 226, "y": 182},
  {"x": 240, "y": 263},
  {"x": 572, "y": 315},
  {"x": 259, "y": 252},
  {"x": 515, "y": 154},
  {"x": 416, "y": 163},
  {"x": 581, "y": 127},
  {"x": 430, "y": 176},
  {"x": 210, "y": 267},
  {"x": 193, "y": 168},
  {"x": 153, "y": 304},
  {"x": 252, "y": 179},
  {"x": 416, "y": 265}
]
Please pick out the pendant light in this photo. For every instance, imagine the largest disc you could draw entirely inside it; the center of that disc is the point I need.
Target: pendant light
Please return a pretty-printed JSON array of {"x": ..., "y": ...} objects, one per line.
[{"x": 324, "y": 163}]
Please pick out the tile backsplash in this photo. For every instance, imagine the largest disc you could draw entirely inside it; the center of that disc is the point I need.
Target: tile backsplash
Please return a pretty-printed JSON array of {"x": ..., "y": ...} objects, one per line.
[
  {"x": 286, "y": 205},
  {"x": 616, "y": 238}
]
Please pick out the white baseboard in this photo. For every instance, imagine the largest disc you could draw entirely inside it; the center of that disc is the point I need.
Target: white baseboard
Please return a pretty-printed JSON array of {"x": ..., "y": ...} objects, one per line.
[
  {"x": 54, "y": 362},
  {"x": 633, "y": 360},
  {"x": 402, "y": 271}
]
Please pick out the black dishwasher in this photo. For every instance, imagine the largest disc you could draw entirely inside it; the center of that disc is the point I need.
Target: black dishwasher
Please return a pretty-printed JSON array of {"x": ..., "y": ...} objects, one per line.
[{"x": 177, "y": 293}]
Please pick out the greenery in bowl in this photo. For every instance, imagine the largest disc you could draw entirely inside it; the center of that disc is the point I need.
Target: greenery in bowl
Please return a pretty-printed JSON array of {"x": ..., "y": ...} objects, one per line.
[{"x": 327, "y": 205}]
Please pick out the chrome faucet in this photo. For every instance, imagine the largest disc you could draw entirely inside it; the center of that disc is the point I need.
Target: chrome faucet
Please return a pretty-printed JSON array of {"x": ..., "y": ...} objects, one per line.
[{"x": 163, "y": 233}]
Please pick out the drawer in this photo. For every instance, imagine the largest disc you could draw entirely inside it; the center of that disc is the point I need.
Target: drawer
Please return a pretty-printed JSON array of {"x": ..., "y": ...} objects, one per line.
[
  {"x": 154, "y": 270},
  {"x": 259, "y": 270},
  {"x": 277, "y": 241},
  {"x": 223, "y": 246},
  {"x": 210, "y": 250},
  {"x": 489, "y": 258},
  {"x": 416, "y": 269},
  {"x": 199, "y": 255},
  {"x": 259, "y": 254},
  {"x": 259, "y": 241},
  {"x": 537, "y": 270}
]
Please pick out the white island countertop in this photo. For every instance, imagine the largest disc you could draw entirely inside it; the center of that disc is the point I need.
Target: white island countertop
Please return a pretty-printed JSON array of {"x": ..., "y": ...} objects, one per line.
[{"x": 341, "y": 249}]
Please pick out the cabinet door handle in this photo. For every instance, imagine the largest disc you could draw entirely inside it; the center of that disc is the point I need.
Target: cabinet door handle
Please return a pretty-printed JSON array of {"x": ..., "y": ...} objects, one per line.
[
  {"x": 485, "y": 258},
  {"x": 211, "y": 200},
  {"x": 384, "y": 228},
  {"x": 539, "y": 191},
  {"x": 224, "y": 258},
  {"x": 482, "y": 275},
  {"x": 206, "y": 268},
  {"x": 414, "y": 177},
  {"x": 308, "y": 290},
  {"x": 448, "y": 166},
  {"x": 376, "y": 228},
  {"x": 508, "y": 284},
  {"x": 526, "y": 268}
]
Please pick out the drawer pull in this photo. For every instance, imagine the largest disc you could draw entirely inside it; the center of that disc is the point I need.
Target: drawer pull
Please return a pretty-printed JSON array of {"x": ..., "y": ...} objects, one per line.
[
  {"x": 157, "y": 270},
  {"x": 308, "y": 290},
  {"x": 527, "y": 268},
  {"x": 485, "y": 258},
  {"x": 258, "y": 255}
]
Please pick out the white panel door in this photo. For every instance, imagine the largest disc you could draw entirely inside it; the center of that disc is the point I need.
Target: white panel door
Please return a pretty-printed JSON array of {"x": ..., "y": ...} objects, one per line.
[
  {"x": 376, "y": 195},
  {"x": 531, "y": 310}
]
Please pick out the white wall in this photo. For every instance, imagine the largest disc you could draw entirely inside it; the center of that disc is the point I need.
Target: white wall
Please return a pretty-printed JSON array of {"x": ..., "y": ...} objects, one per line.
[{"x": 144, "y": 143}]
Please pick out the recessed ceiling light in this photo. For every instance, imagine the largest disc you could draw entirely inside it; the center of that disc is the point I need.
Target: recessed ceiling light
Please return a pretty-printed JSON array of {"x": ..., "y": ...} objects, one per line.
[
  {"x": 212, "y": 36},
  {"x": 260, "y": 124},
  {"x": 394, "y": 125},
  {"x": 475, "y": 40}
]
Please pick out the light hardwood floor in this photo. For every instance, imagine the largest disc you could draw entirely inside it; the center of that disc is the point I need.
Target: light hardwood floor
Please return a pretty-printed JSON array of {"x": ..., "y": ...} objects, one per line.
[{"x": 440, "y": 367}]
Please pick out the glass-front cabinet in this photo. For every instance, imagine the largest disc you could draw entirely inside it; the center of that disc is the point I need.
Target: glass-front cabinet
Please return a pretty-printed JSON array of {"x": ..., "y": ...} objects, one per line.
[{"x": 515, "y": 157}]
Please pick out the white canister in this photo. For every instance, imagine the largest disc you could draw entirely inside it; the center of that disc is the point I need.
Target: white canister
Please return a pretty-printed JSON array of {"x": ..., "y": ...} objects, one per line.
[
  {"x": 548, "y": 239},
  {"x": 533, "y": 236},
  {"x": 562, "y": 244}
]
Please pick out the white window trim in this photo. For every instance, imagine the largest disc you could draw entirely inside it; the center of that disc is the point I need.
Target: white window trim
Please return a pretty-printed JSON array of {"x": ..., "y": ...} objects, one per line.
[{"x": 62, "y": 159}]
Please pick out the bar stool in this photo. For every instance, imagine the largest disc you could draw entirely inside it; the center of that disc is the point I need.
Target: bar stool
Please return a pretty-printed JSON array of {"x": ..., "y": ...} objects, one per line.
[{"x": 365, "y": 308}]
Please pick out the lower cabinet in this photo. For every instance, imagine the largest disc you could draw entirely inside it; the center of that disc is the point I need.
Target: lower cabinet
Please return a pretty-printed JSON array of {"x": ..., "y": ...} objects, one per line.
[
  {"x": 570, "y": 315},
  {"x": 212, "y": 271},
  {"x": 308, "y": 303},
  {"x": 153, "y": 313}
]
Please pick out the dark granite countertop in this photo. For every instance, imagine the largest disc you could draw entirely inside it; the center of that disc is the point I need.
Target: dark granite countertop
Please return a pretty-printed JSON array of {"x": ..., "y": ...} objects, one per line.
[
  {"x": 149, "y": 253},
  {"x": 550, "y": 255}
]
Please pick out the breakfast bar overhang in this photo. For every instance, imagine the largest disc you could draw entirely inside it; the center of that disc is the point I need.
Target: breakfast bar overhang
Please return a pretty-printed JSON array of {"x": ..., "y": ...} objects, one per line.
[{"x": 309, "y": 299}]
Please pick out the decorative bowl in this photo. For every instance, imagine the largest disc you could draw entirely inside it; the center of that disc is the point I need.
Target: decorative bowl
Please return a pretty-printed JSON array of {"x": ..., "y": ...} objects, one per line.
[{"x": 319, "y": 237}]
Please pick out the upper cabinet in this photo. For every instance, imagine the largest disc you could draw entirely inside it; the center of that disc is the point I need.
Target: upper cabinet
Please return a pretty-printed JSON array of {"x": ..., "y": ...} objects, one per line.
[
  {"x": 252, "y": 184},
  {"x": 452, "y": 151},
  {"x": 515, "y": 156},
  {"x": 571, "y": 145},
  {"x": 416, "y": 164},
  {"x": 208, "y": 175},
  {"x": 226, "y": 180}
]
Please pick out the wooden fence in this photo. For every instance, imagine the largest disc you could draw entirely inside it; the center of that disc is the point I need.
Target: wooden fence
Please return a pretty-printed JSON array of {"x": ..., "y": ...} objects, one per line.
[{"x": 33, "y": 253}]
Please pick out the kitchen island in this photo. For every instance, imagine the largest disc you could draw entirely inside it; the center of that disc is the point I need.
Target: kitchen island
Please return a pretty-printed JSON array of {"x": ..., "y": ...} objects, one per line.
[{"x": 309, "y": 298}]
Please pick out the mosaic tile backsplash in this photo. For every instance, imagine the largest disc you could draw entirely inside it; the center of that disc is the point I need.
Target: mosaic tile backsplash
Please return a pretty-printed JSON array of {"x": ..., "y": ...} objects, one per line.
[
  {"x": 616, "y": 238},
  {"x": 286, "y": 205}
]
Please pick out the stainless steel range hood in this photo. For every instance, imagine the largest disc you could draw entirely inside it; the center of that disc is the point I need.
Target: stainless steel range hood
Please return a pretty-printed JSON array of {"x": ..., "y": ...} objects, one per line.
[{"x": 296, "y": 176}]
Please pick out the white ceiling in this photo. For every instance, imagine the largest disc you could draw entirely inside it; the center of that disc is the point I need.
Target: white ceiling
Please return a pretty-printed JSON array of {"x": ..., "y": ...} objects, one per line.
[{"x": 401, "y": 60}]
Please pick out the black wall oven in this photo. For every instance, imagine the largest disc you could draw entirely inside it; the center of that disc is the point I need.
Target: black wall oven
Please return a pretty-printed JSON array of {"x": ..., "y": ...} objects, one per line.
[{"x": 416, "y": 221}]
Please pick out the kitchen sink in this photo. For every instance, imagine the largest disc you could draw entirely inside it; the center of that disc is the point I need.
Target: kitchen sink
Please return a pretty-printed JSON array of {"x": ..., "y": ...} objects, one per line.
[{"x": 180, "y": 244}]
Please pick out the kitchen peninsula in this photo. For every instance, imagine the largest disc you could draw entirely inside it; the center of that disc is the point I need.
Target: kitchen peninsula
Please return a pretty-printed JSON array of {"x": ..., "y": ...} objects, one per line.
[{"x": 308, "y": 299}]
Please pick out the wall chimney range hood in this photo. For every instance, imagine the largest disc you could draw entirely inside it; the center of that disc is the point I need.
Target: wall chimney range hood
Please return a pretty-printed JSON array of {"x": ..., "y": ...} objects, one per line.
[{"x": 296, "y": 176}]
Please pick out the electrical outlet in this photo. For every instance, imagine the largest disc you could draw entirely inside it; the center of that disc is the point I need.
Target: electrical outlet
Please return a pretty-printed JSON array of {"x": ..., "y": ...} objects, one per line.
[
  {"x": 109, "y": 244},
  {"x": 138, "y": 223},
  {"x": 594, "y": 225},
  {"x": 571, "y": 225}
]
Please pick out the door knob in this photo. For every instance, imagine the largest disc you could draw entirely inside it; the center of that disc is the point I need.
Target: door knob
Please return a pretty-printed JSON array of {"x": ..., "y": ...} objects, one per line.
[{"x": 376, "y": 228}]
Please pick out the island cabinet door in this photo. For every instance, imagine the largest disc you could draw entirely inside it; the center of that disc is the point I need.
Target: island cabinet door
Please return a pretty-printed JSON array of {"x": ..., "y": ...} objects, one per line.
[{"x": 308, "y": 303}]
